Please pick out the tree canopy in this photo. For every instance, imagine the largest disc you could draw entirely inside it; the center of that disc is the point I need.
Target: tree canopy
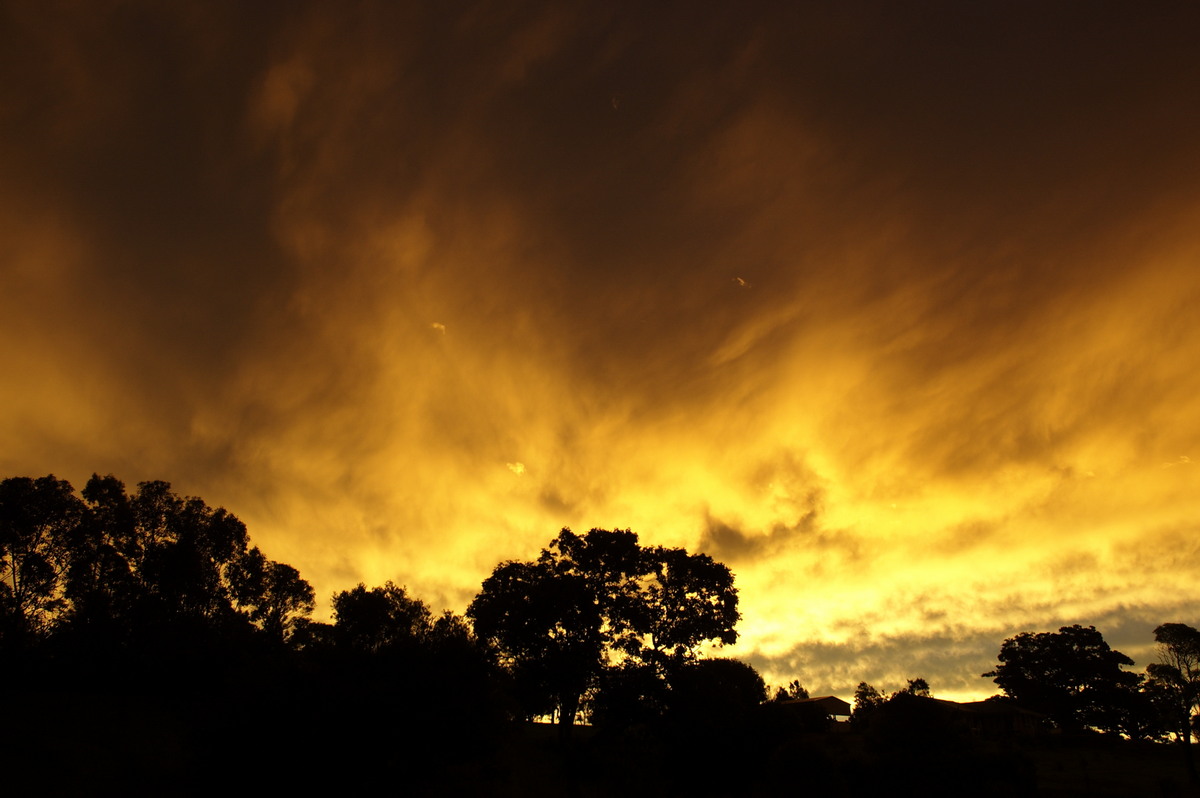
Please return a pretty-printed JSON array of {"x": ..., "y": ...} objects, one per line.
[
  {"x": 159, "y": 600},
  {"x": 1071, "y": 675},
  {"x": 123, "y": 570},
  {"x": 1174, "y": 681},
  {"x": 380, "y": 618},
  {"x": 793, "y": 691},
  {"x": 595, "y": 600},
  {"x": 37, "y": 520}
]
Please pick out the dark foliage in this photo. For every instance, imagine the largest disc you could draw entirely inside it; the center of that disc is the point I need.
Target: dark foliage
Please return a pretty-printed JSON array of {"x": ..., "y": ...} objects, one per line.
[
  {"x": 154, "y": 609},
  {"x": 1072, "y": 676},
  {"x": 595, "y": 601},
  {"x": 155, "y": 651},
  {"x": 146, "y": 591},
  {"x": 792, "y": 692},
  {"x": 1173, "y": 687}
]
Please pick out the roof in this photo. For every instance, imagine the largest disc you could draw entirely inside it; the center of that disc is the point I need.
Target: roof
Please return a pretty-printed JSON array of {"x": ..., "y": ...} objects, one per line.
[
  {"x": 989, "y": 708},
  {"x": 831, "y": 704}
]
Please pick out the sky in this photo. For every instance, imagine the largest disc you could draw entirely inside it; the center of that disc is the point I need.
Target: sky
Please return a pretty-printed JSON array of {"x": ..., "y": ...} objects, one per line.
[{"x": 892, "y": 308}]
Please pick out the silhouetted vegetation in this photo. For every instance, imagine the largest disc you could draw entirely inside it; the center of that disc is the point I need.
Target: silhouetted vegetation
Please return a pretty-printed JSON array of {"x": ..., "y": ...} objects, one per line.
[
  {"x": 596, "y": 602},
  {"x": 149, "y": 648},
  {"x": 1173, "y": 685},
  {"x": 1071, "y": 675},
  {"x": 154, "y": 611},
  {"x": 792, "y": 691}
]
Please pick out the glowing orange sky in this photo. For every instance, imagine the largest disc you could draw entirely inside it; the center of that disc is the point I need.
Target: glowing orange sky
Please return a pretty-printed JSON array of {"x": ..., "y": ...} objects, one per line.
[{"x": 895, "y": 313}]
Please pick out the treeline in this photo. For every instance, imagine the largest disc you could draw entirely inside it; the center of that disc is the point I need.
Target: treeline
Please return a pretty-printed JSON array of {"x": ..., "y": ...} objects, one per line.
[
  {"x": 1076, "y": 684},
  {"x": 144, "y": 625},
  {"x": 147, "y": 621},
  {"x": 116, "y": 571},
  {"x": 145, "y": 628},
  {"x": 134, "y": 588},
  {"x": 1079, "y": 683}
]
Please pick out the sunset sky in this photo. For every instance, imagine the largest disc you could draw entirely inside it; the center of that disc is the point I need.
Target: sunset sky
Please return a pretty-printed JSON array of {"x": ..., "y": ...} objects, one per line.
[{"x": 894, "y": 308}]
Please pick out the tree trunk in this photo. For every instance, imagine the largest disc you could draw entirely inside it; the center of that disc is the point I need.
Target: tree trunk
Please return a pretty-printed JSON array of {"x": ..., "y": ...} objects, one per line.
[
  {"x": 568, "y": 707},
  {"x": 1189, "y": 761}
]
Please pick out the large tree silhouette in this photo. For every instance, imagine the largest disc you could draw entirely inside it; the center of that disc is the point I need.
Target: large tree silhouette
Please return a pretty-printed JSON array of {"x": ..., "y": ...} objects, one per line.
[
  {"x": 117, "y": 575},
  {"x": 1070, "y": 675},
  {"x": 1175, "y": 681},
  {"x": 595, "y": 600}
]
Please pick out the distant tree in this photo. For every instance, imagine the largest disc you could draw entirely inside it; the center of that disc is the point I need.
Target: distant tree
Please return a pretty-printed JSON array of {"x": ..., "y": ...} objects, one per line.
[
  {"x": 793, "y": 691},
  {"x": 1072, "y": 676},
  {"x": 867, "y": 700},
  {"x": 381, "y": 618},
  {"x": 450, "y": 629},
  {"x": 1175, "y": 681},
  {"x": 592, "y": 601},
  {"x": 311, "y": 637},
  {"x": 916, "y": 687},
  {"x": 1177, "y": 674}
]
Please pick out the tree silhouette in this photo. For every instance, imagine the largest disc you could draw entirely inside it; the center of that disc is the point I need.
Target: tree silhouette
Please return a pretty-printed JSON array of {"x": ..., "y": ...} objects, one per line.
[
  {"x": 123, "y": 581},
  {"x": 595, "y": 600},
  {"x": 379, "y": 619},
  {"x": 103, "y": 586},
  {"x": 917, "y": 687},
  {"x": 37, "y": 520},
  {"x": 867, "y": 700},
  {"x": 711, "y": 720},
  {"x": 716, "y": 690},
  {"x": 1072, "y": 676},
  {"x": 272, "y": 594},
  {"x": 688, "y": 599},
  {"x": 189, "y": 552},
  {"x": 792, "y": 692},
  {"x": 627, "y": 694},
  {"x": 1175, "y": 681},
  {"x": 547, "y": 626}
]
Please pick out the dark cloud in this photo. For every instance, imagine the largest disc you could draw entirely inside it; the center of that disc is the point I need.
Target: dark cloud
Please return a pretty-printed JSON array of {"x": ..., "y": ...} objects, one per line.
[
  {"x": 791, "y": 493},
  {"x": 728, "y": 544},
  {"x": 949, "y": 662}
]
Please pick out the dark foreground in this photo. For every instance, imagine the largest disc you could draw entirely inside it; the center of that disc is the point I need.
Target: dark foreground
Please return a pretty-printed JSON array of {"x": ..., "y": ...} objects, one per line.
[{"x": 87, "y": 744}]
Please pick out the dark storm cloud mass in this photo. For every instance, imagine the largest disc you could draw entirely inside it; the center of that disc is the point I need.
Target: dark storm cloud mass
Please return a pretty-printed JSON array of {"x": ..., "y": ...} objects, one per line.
[
  {"x": 872, "y": 301},
  {"x": 122, "y": 159}
]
